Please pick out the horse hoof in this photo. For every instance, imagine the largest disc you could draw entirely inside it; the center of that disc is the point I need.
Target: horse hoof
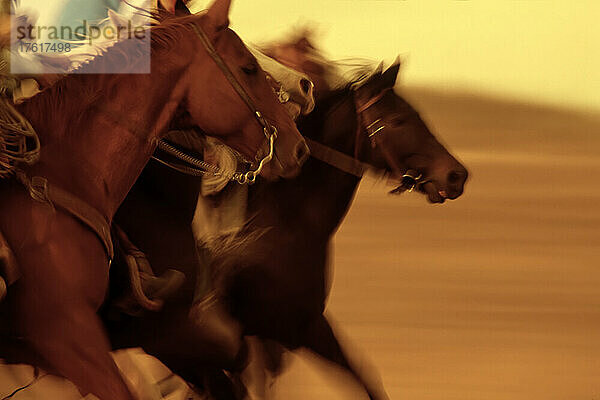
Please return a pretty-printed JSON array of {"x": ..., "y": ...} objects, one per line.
[{"x": 2, "y": 288}]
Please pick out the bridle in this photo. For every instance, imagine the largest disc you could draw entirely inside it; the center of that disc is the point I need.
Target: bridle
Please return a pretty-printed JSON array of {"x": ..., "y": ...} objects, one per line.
[
  {"x": 199, "y": 167},
  {"x": 282, "y": 95},
  {"x": 410, "y": 180}
]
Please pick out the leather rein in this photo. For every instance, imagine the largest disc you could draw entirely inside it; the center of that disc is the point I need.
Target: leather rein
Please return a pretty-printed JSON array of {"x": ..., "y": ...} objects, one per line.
[
  {"x": 335, "y": 158},
  {"x": 41, "y": 190}
]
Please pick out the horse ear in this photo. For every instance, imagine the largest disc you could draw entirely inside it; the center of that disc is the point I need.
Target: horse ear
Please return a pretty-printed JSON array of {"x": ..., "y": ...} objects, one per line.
[
  {"x": 304, "y": 41},
  {"x": 391, "y": 74},
  {"x": 177, "y": 7},
  {"x": 218, "y": 13},
  {"x": 379, "y": 80},
  {"x": 303, "y": 44},
  {"x": 181, "y": 8},
  {"x": 168, "y": 5}
]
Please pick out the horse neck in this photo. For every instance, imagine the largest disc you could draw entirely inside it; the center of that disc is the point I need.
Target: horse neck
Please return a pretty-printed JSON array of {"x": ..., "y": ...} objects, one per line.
[
  {"x": 98, "y": 154},
  {"x": 320, "y": 196}
]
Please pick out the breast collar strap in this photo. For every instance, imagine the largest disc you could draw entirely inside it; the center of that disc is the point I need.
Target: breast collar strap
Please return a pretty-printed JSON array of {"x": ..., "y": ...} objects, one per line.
[{"x": 40, "y": 190}]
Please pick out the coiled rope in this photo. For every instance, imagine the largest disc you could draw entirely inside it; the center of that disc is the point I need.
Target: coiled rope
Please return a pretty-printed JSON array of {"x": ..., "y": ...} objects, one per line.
[{"x": 19, "y": 142}]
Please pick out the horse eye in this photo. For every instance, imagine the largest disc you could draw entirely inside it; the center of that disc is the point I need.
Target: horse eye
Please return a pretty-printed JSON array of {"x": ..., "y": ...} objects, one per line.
[
  {"x": 398, "y": 121},
  {"x": 250, "y": 69}
]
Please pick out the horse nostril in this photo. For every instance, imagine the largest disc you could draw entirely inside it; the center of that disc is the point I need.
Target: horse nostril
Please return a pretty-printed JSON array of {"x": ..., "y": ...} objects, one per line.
[
  {"x": 457, "y": 177},
  {"x": 301, "y": 152},
  {"x": 453, "y": 177},
  {"x": 306, "y": 85}
]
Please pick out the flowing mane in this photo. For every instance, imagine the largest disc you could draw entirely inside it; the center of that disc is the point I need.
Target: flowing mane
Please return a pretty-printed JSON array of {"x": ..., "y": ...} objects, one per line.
[
  {"x": 337, "y": 73},
  {"x": 78, "y": 91}
]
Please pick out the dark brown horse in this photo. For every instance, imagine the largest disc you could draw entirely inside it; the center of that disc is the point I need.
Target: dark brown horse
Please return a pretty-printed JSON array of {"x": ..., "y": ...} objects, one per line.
[
  {"x": 280, "y": 296},
  {"x": 97, "y": 133},
  {"x": 276, "y": 286}
]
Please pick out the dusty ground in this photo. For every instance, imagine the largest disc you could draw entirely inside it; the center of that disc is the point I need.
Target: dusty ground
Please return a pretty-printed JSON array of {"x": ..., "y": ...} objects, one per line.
[{"x": 493, "y": 296}]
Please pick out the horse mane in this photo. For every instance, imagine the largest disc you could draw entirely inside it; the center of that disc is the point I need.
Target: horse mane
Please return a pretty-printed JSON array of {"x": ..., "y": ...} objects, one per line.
[
  {"x": 337, "y": 73},
  {"x": 70, "y": 99}
]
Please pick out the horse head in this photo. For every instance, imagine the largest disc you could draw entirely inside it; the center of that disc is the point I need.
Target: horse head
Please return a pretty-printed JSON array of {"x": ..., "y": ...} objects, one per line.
[
  {"x": 391, "y": 135},
  {"x": 294, "y": 88},
  {"x": 301, "y": 54},
  {"x": 398, "y": 141},
  {"x": 228, "y": 92}
]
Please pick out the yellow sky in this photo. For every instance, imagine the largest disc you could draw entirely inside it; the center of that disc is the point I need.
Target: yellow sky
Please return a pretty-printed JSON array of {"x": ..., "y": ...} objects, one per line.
[
  {"x": 536, "y": 50},
  {"x": 541, "y": 51}
]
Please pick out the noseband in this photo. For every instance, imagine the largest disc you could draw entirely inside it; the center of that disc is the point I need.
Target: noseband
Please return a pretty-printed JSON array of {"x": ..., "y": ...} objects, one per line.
[
  {"x": 198, "y": 167},
  {"x": 410, "y": 180}
]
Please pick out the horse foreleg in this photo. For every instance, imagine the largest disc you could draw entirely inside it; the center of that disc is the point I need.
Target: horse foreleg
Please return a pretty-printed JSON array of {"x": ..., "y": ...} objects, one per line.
[
  {"x": 181, "y": 342},
  {"x": 70, "y": 337},
  {"x": 53, "y": 304},
  {"x": 321, "y": 339}
]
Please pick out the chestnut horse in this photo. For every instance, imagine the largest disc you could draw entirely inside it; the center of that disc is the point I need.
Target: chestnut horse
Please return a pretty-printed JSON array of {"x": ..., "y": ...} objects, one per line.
[
  {"x": 276, "y": 287},
  {"x": 97, "y": 132}
]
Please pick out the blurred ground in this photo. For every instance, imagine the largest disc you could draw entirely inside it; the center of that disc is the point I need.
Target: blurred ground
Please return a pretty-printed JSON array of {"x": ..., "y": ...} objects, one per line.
[{"x": 493, "y": 296}]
